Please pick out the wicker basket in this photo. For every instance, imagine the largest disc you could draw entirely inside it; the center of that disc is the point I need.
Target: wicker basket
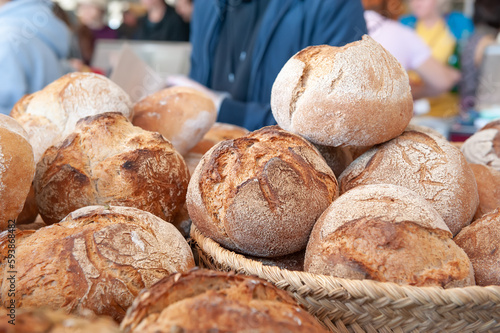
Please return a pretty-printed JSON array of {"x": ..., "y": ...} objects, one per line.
[{"x": 364, "y": 305}]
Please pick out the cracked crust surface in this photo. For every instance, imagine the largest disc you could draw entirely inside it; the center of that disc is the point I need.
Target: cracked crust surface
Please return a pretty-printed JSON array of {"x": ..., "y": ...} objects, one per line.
[
  {"x": 377, "y": 231},
  {"x": 430, "y": 166},
  {"x": 107, "y": 160},
  {"x": 356, "y": 95},
  {"x": 220, "y": 302},
  {"x": 96, "y": 259},
  {"x": 262, "y": 193}
]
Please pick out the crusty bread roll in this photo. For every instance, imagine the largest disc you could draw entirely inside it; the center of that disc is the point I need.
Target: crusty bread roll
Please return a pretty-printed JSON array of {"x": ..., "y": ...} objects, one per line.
[
  {"x": 481, "y": 242},
  {"x": 217, "y": 133},
  {"x": 357, "y": 95},
  {"x": 262, "y": 193},
  {"x": 390, "y": 234},
  {"x": 488, "y": 187},
  {"x": 53, "y": 112},
  {"x": 430, "y": 166},
  {"x": 17, "y": 169},
  {"x": 484, "y": 146},
  {"x": 181, "y": 114},
  {"x": 107, "y": 160},
  {"x": 207, "y": 301},
  {"x": 46, "y": 321},
  {"x": 98, "y": 258}
]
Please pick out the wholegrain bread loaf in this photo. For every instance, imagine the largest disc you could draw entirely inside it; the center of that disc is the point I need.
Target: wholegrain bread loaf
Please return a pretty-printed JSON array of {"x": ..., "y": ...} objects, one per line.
[
  {"x": 98, "y": 258},
  {"x": 46, "y": 321},
  {"x": 207, "y": 301},
  {"x": 390, "y": 234},
  {"x": 430, "y": 166},
  {"x": 17, "y": 169},
  {"x": 488, "y": 187},
  {"x": 182, "y": 115},
  {"x": 107, "y": 160},
  {"x": 262, "y": 193},
  {"x": 481, "y": 242},
  {"x": 52, "y": 113},
  {"x": 357, "y": 95}
]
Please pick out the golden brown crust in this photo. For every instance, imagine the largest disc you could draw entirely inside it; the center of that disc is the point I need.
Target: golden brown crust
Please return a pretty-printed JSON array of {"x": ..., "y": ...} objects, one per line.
[
  {"x": 481, "y": 242},
  {"x": 262, "y": 193},
  {"x": 182, "y": 115},
  {"x": 17, "y": 168},
  {"x": 377, "y": 232},
  {"x": 488, "y": 187},
  {"x": 107, "y": 160},
  {"x": 96, "y": 259},
  {"x": 427, "y": 165},
  {"x": 221, "y": 302},
  {"x": 356, "y": 95}
]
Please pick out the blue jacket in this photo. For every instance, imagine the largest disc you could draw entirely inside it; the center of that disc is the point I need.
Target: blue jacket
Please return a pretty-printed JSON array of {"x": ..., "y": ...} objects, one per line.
[
  {"x": 287, "y": 27},
  {"x": 32, "y": 43}
]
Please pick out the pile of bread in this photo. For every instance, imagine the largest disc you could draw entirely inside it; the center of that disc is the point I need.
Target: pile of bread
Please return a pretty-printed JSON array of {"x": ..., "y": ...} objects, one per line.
[{"x": 343, "y": 187}]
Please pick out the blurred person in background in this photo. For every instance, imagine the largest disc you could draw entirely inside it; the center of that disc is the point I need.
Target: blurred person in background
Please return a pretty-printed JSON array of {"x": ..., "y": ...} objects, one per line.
[
  {"x": 239, "y": 47},
  {"x": 185, "y": 9},
  {"x": 487, "y": 21},
  {"x": 33, "y": 43},
  {"x": 161, "y": 23},
  {"x": 131, "y": 14},
  {"x": 444, "y": 32},
  {"x": 409, "y": 49},
  {"x": 91, "y": 15}
]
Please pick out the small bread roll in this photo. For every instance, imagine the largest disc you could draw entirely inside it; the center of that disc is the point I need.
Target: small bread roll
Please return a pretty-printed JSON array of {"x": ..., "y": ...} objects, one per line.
[
  {"x": 356, "y": 95},
  {"x": 481, "y": 242},
  {"x": 430, "y": 166},
  {"x": 488, "y": 187},
  {"x": 390, "y": 234},
  {"x": 52, "y": 113},
  {"x": 98, "y": 258},
  {"x": 262, "y": 193},
  {"x": 207, "y": 301},
  {"x": 182, "y": 115},
  {"x": 17, "y": 169},
  {"x": 46, "y": 321},
  {"x": 107, "y": 160}
]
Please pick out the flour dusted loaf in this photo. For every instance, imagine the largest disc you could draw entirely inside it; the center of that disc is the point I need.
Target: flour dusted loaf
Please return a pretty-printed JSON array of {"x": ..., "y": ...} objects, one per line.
[
  {"x": 481, "y": 242},
  {"x": 107, "y": 160},
  {"x": 262, "y": 193},
  {"x": 428, "y": 165},
  {"x": 52, "y": 113},
  {"x": 356, "y": 95},
  {"x": 46, "y": 321},
  {"x": 98, "y": 259},
  {"x": 488, "y": 187},
  {"x": 181, "y": 114},
  {"x": 207, "y": 301},
  {"x": 484, "y": 146},
  {"x": 17, "y": 169},
  {"x": 390, "y": 234}
]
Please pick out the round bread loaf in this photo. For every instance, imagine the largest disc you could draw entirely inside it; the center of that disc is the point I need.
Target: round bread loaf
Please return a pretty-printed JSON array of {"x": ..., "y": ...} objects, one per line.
[
  {"x": 262, "y": 193},
  {"x": 53, "y": 112},
  {"x": 430, "y": 166},
  {"x": 46, "y": 321},
  {"x": 386, "y": 233},
  {"x": 17, "y": 169},
  {"x": 207, "y": 301},
  {"x": 181, "y": 114},
  {"x": 484, "y": 147},
  {"x": 357, "y": 95},
  {"x": 107, "y": 160},
  {"x": 98, "y": 259},
  {"x": 481, "y": 242},
  {"x": 488, "y": 187}
]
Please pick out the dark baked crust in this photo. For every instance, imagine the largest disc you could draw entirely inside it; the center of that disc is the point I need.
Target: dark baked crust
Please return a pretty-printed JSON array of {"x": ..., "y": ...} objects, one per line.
[
  {"x": 262, "y": 193},
  {"x": 206, "y": 301}
]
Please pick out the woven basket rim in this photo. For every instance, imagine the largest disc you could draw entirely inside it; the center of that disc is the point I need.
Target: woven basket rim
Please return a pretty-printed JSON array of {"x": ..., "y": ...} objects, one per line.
[{"x": 356, "y": 288}]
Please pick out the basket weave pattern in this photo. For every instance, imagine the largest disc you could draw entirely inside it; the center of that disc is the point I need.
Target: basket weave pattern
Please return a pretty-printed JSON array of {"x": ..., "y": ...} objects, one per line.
[{"x": 364, "y": 305}]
